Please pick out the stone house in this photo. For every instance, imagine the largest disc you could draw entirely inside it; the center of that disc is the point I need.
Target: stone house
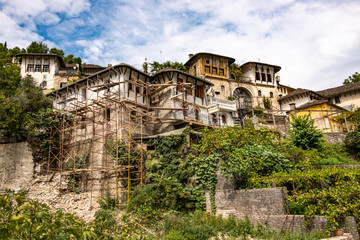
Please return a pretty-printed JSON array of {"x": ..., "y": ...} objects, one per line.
[
  {"x": 257, "y": 80},
  {"x": 346, "y": 96},
  {"x": 50, "y": 71}
]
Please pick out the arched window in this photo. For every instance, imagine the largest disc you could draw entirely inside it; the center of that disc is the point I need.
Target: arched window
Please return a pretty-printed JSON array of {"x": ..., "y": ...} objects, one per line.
[
  {"x": 271, "y": 94},
  {"x": 259, "y": 93},
  {"x": 222, "y": 88},
  {"x": 223, "y": 119}
]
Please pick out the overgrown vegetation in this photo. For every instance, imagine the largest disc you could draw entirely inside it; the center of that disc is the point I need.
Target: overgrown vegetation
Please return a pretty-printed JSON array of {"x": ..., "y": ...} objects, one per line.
[
  {"x": 171, "y": 204},
  {"x": 21, "y": 218},
  {"x": 22, "y": 103}
]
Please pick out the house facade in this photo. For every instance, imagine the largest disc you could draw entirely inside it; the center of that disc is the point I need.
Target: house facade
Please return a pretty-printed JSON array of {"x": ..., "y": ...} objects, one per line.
[
  {"x": 49, "y": 70},
  {"x": 325, "y": 115},
  {"x": 346, "y": 96},
  {"x": 256, "y": 81}
]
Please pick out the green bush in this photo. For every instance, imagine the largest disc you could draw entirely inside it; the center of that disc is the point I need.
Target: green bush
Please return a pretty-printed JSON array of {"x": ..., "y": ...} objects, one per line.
[
  {"x": 304, "y": 134},
  {"x": 352, "y": 142}
]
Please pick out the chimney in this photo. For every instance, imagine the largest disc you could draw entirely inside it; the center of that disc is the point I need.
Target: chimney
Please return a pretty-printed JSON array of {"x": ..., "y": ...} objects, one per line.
[
  {"x": 109, "y": 65},
  {"x": 191, "y": 55}
]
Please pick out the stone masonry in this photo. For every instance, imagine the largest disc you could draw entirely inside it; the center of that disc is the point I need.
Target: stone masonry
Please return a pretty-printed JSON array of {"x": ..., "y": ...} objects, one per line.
[{"x": 16, "y": 165}]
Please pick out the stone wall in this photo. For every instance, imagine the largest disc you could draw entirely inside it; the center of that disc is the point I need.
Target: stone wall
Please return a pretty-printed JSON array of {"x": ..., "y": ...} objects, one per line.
[
  {"x": 16, "y": 165},
  {"x": 267, "y": 205},
  {"x": 298, "y": 223},
  {"x": 335, "y": 137}
]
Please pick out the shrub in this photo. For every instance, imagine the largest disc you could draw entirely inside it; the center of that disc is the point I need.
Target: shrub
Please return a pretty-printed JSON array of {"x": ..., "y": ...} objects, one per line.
[
  {"x": 352, "y": 142},
  {"x": 304, "y": 134}
]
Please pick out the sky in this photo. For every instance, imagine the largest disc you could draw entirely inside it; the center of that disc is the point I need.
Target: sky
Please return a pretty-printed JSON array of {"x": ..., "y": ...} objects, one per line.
[{"x": 316, "y": 42}]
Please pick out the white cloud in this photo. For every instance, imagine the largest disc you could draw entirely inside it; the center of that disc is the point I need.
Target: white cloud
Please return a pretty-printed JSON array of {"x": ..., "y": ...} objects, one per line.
[
  {"x": 20, "y": 18},
  {"x": 315, "y": 42}
]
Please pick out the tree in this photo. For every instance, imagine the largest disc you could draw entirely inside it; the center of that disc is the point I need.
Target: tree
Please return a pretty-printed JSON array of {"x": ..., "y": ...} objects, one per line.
[
  {"x": 37, "y": 47},
  {"x": 156, "y": 66},
  {"x": 352, "y": 79},
  {"x": 352, "y": 139},
  {"x": 236, "y": 71},
  {"x": 21, "y": 101},
  {"x": 16, "y": 50},
  {"x": 69, "y": 59},
  {"x": 56, "y": 51},
  {"x": 9, "y": 73},
  {"x": 304, "y": 134}
]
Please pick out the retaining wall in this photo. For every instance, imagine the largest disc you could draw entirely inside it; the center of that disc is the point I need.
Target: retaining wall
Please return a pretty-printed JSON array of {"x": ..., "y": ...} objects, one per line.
[{"x": 16, "y": 165}]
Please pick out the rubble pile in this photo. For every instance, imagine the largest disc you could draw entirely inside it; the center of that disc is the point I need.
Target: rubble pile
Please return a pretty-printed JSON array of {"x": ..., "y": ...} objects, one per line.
[{"x": 54, "y": 193}]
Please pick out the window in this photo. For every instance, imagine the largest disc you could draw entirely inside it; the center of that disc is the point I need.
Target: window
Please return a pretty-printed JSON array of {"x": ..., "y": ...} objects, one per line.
[
  {"x": 269, "y": 77},
  {"x": 337, "y": 100},
  {"x": 63, "y": 84},
  {"x": 46, "y": 68},
  {"x": 221, "y": 72},
  {"x": 83, "y": 94},
  {"x": 207, "y": 61},
  {"x": 222, "y": 88},
  {"x": 30, "y": 67},
  {"x": 223, "y": 119},
  {"x": 257, "y": 76},
  {"x": 37, "y": 68},
  {"x": 217, "y": 92},
  {"x": 131, "y": 87},
  {"x": 189, "y": 91},
  {"x": 43, "y": 84},
  {"x": 214, "y": 70},
  {"x": 200, "y": 91},
  {"x": 339, "y": 128},
  {"x": 263, "y": 77},
  {"x": 271, "y": 94},
  {"x": 207, "y": 69},
  {"x": 259, "y": 93},
  {"x": 335, "y": 128},
  {"x": 107, "y": 114}
]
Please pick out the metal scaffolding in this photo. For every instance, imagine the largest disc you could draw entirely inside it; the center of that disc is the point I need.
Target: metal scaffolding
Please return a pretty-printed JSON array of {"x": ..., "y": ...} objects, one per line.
[{"x": 96, "y": 139}]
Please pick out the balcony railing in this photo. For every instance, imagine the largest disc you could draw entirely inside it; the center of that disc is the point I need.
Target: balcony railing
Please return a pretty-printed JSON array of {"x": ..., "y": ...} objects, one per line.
[
  {"x": 224, "y": 105},
  {"x": 201, "y": 118}
]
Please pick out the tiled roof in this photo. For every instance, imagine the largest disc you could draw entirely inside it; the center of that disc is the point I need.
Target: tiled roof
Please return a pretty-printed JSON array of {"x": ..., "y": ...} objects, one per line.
[
  {"x": 276, "y": 68},
  {"x": 317, "y": 102},
  {"x": 91, "y": 66},
  {"x": 295, "y": 93},
  {"x": 195, "y": 56},
  {"x": 332, "y": 92}
]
